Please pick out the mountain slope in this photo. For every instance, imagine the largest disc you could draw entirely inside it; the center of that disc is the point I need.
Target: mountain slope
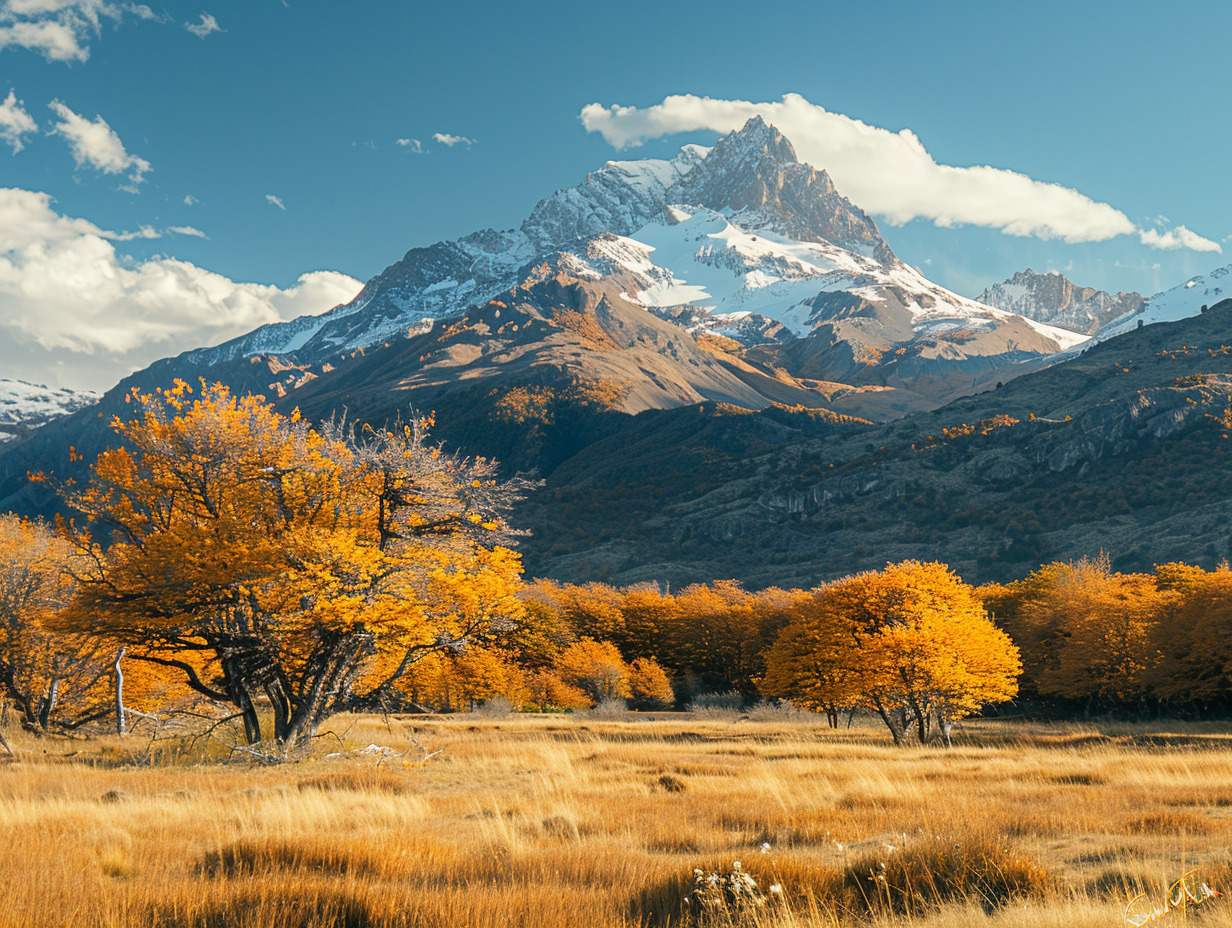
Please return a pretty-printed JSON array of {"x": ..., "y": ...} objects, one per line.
[
  {"x": 1181, "y": 302},
  {"x": 1125, "y": 448},
  {"x": 26, "y": 406},
  {"x": 1053, "y": 299},
  {"x": 734, "y": 275}
]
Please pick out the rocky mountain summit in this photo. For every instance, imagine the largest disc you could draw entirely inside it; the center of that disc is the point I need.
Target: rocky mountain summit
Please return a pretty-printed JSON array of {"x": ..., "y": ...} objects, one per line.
[
  {"x": 741, "y": 241},
  {"x": 734, "y": 275},
  {"x": 1054, "y": 299}
]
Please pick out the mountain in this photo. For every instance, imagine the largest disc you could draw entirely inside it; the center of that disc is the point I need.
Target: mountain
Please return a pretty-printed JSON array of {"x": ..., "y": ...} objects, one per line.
[
  {"x": 26, "y": 406},
  {"x": 1124, "y": 448},
  {"x": 740, "y": 241},
  {"x": 1054, "y": 299},
  {"x": 1191, "y": 298},
  {"x": 734, "y": 275}
]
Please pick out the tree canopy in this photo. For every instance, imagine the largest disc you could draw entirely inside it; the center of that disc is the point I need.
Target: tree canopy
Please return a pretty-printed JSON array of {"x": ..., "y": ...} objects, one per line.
[
  {"x": 262, "y": 557},
  {"x": 911, "y": 642}
]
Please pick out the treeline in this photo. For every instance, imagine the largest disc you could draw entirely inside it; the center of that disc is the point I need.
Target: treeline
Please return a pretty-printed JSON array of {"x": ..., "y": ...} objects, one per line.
[
  {"x": 1137, "y": 644},
  {"x": 1089, "y": 640},
  {"x": 228, "y": 554}
]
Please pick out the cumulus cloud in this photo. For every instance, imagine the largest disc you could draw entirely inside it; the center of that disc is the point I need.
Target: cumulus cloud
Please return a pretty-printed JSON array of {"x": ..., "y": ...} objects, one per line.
[
  {"x": 61, "y": 30},
  {"x": 888, "y": 173},
  {"x": 190, "y": 200},
  {"x": 275, "y": 201},
  {"x": 65, "y": 288},
  {"x": 207, "y": 26},
  {"x": 1180, "y": 237},
  {"x": 96, "y": 145},
  {"x": 451, "y": 140},
  {"x": 191, "y": 231},
  {"x": 414, "y": 146},
  {"x": 15, "y": 122}
]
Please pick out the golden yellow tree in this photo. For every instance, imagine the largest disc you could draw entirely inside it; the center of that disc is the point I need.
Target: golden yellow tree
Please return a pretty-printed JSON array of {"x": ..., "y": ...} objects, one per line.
[
  {"x": 1195, "y": 643},
  {"x": 51, "y": 680},
  {"x": 310, "y": 568},
  {"x": 815, "y": 662},
  {"x": 920, "y": 648},
  {"x": 446, "y": 682},
  {"x": 649, "y": 685},
  {"x": 596, "y": 668},
  {"x": 1088, "y": 633}
]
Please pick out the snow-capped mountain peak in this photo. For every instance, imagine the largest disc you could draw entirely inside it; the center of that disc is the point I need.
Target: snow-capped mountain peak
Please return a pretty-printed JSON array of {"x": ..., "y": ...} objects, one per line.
[
  {"x": 754, "y": 176},
  {"x": 1180, "y": 302},
  {"x": 741, "y": 237},
  {"x": 1052, "y": 298},
  {"x": 26, "y": 406}
]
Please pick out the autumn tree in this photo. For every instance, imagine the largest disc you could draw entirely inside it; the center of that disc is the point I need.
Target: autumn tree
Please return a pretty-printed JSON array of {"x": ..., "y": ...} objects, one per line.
[
  {"x": 721, "y": 632},
  {"x": 1087, "y": 633},
  {"x": 1195, "y": 643},
  {"x": 920, "y": 646},
  {"x": 649, "y": 686},
  {"x": 52, "y": 680},
  {"x": 596, "y": 668},
  {"x": 445, "y": 681},
  {"x": 548, "y": 690},
  {"x": 814, "y": 663},
  {"x": 265, "y": 559}
]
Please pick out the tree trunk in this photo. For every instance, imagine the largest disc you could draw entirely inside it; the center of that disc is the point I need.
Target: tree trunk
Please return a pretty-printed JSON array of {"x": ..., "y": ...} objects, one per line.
[
  {"x": 328, "y": 675},
  {"x": 896, "y": 731},
  {"x": 237, "y": 690},
  {"x": 119, "y": 693},
  {"x": 48, "y": 704}
]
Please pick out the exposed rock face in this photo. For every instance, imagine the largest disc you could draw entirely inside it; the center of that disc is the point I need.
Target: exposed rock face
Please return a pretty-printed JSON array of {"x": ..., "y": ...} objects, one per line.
[
  {"x": 755, "y": 174},
  {"x": 1054, "y": 299},
  {"x": 620, "y": 198}
]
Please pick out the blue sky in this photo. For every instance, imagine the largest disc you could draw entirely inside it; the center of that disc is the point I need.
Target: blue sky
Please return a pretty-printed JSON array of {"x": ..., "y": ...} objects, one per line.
[{"x": 261, "y": 145}]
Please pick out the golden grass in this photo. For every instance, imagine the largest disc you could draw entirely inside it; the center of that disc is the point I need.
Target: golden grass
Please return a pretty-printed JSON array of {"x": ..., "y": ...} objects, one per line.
[{"x": 555, "y": 821}]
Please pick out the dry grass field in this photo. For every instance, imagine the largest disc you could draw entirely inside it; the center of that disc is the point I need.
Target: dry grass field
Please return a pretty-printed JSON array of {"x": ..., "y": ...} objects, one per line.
[{"x": 573, "y": 821}]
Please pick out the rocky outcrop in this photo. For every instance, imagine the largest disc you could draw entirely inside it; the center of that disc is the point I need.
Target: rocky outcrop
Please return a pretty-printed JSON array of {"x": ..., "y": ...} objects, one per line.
[{"x": 1053, "y": 299}]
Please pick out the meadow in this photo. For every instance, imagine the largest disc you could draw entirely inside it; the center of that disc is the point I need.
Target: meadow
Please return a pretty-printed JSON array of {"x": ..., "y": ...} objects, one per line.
[{"x": 586, "y": 820}]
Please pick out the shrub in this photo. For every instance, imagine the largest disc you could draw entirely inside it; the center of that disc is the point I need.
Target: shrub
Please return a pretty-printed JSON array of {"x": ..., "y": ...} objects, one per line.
[
  {"x": 718, "y": 704},
  {"x": 926, "y": 874}
]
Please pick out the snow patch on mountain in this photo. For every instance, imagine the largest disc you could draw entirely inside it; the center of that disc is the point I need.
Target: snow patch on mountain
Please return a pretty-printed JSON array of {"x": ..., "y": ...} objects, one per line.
[
  {"x": 26, "y": 406},
  {"x": 1180, "y": 302},
  {"x": 702, "y": 259}
]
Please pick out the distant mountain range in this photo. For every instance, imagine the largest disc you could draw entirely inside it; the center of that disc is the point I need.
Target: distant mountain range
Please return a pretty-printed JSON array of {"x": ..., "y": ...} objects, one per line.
[
  {"x": 740, "y": 241},
  {"x": 1055, "y": 300},
  {"x": 705, "y": 358},
  {"x": 26, "y": 406}
]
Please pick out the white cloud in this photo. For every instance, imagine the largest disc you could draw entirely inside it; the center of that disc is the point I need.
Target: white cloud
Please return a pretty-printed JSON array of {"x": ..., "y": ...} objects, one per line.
[
  {"x": 888, "y": 173},
  {"x": 95, "y": 144},
  {"x": 207, "y": 26},
  {"x": 275, "y": 201},
  {"x": 451, "y": 140},
  {"x": 1180, "y": 237},
  {"x": 64, "y": 288},
  {"x": 144, "y": 232},
  {"x": 187, "y": 230},
  {"x": 414, "y": 146},
  {"x": 61, "y": 30},
  {"x": 190, "y": 200},
  {"x": 15, "y": 122}
]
